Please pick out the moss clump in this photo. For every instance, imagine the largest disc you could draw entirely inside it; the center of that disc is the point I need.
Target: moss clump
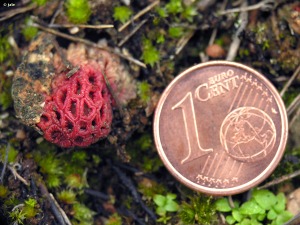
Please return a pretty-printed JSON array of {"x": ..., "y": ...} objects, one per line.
[
  {"x": 3, "y": 191},
  {"x": 114, "y": 219},
  {"x": 122, "y": 13},
  {"x": 30, "y": 208},
  {"x": 144, "y": 91},
  {"x": 12, "y": 154},
  {"x": 82, "y": 214},
  {"x": 67, "y": 196},
  {"x": 78, "y": 11},
  {"x": 150, "y": 53},
  {"x": 200, "y": 209},
  {"x": 40, "y": 2},
  {"x": 175, "y": 32},
  {"x": 50, "y": 165},
  {"x": 29, "y": 32},
  {"x": 5, "y": 48}
]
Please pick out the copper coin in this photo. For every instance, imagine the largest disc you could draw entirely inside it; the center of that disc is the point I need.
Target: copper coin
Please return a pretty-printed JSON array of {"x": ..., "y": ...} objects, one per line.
[{"x": 220, "y": 128}]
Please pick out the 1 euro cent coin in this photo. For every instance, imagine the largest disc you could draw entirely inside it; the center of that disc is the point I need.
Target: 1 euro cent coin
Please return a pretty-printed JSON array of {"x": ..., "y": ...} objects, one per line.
[{"x": 220, "y": 128}]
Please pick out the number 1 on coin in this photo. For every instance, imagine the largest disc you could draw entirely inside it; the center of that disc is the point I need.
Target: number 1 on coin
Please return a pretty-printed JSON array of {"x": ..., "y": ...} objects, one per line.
[{"x": 195, "y": 150}]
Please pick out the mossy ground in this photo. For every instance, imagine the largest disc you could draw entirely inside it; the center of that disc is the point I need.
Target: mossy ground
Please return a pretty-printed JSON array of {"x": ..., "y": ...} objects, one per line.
[{"x": 118, "y": 180}]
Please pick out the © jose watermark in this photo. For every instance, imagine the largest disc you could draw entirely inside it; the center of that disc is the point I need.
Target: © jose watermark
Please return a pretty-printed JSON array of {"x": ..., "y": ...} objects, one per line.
[{"x": 6, "y": 4}]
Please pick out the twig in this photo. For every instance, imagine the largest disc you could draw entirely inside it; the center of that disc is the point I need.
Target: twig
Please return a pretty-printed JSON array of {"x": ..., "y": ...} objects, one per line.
[
  {"x": 126, "y": 38},
  {"x": 129, "y": 184},
  {"x": 235, "y": 44},
  {"x": 138, "y": 15},
  {"x": 280, "y": 179},
  {"x": 97, "y": 194},
  {"x": 9, "y": 14},
  {"x": 274, "y": 25},
  {"x": 119, "y": 105},
  {"x": 215, "y": 30},
  {"x": 294, "y": 221},
  {"x": 128, "y": 213},
  {"x": 230, "y": 200},
  {"x": 16, "y": 175},
  {"x": 213, "y": 36},
  {"x": 103, "y": 26},
  {"x": 183, "y": 41},
  {"x": 89, "y": 43},
  {"x": 296, "y": 116},
  {"x": 57, "y": 12},
  {"x": 264, "y": 5},
  {"x": 55, "y": 210},
  {"x": 5, "y": 162},
  {"x": 295, "y": 103},
  {"x": 290, "y": 81},
  {"x": 17, "y": 206},
  {"x": 64, "y": 215}
]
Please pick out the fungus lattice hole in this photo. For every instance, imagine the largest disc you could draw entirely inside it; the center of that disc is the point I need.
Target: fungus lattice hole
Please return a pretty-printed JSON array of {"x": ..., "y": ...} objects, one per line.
[
  {"x": 73, "y": 108},
  {"x": 92, "y": 95},
  {"x": 86, "y": 109},
  {"x": 102, "y": 112},
  {"x": 94, "y": 123},
  {"x": 83, "y": 126},
  {"x": 103, "y": 92},
  {"x": 70, "y": 126},
  {"x": 56, "y": 135},
  {"x": 103, "y": 129},
  {"x": 79, "y": 139},
  {"x": 58, "y": 116},
  {"x": 92, "y": 79},
  {"x": 78, "y": 87},
  {"x": 63, "y": 96},
  {"x": 44, "y": 119}
]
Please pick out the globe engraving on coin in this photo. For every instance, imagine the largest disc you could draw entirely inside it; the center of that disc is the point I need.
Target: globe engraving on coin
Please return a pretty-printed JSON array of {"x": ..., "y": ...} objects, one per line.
[
  {"x": 248, "y": 134},
  {"x": 220, "y": 128}
]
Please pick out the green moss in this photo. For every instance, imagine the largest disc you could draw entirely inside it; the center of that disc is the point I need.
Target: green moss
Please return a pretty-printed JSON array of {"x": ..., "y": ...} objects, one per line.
[
  {"x": 175, "y": 32},
  {"x": 29, "y": 32},
  {"x": 189, "y": 12},
  {"x": 3, "y": 191},
  {"x": 75, "y": 181},
  {"x": 162, "y": 12},
  {"x": 83, "y": 214},
  {"x": 5, "y": 100},
  {"x": 5, "y": 92},
  {"x": 200, "y": 209},
  {"x": 160, "y": 38},
  {"x": 40, "y": 2},
  {"x": 114, "y": 219},
  {"x": 17, "y": 216},
  {"x": 122, "y": 13},
  {"x": 12, "y": 154},
  {"x": 149, "y": 188},
  {"x": 50, "y": 167},
  {"x": 30, "y": 209},
  {"x": 290, "y": 95},
  {"x": 67, "y": 196},
  {"x": 144, "y": 91},
  {"x": 78, "y": 11},
  {"x": 174, "y": 6},
  {"x": 150, "y": 53},
  {"x": 5, "y": 48}
]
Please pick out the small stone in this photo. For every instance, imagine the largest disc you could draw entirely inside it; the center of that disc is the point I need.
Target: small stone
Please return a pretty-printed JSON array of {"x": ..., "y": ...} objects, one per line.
[
  {"x": 21, "y": 135},
  {"x": 215, "y": 51},
  {"x": 74, "y": 30},
  {"x": 293, "y": 202}
]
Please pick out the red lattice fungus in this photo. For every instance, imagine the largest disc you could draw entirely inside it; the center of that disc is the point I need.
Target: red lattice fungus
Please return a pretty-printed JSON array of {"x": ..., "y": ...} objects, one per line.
[{"x": 78, "y": 112}]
